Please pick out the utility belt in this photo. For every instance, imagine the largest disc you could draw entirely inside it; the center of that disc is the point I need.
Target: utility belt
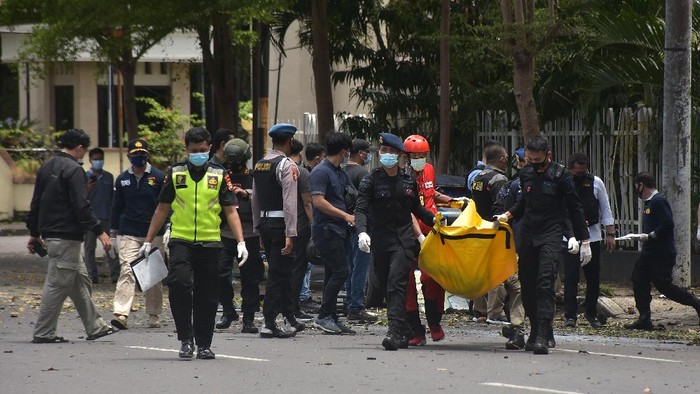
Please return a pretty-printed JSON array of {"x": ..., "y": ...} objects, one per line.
[{"x": 272, "y": 214}]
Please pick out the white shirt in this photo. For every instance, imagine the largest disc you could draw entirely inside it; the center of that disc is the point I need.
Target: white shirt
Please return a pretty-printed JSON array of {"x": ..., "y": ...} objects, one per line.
[{"x": 606, "y": 217}]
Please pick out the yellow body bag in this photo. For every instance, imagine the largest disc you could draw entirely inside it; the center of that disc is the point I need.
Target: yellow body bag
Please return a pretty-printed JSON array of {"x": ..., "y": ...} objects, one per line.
[{"x": 469, "y": 257}]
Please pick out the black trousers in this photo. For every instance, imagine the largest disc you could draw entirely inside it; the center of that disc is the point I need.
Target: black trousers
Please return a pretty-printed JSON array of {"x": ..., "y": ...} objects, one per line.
[
  {"x": 252, "y": 273},
  {"x": 335, "y": 252},
  {"x": 591, "y": 271},
  {"x": 194, "y": 290},
  {"x": 658, "y": 270},
  {"x": 391, "y": 269},
  {"x": 278, "y": 289},
  {"x": 537, "y": 269},
  {"x": 299, "y": 267}
]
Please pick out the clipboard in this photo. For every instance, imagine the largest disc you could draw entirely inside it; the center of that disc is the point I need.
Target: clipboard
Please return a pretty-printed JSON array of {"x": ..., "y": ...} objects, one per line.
[{"x": 149, "y": 272}]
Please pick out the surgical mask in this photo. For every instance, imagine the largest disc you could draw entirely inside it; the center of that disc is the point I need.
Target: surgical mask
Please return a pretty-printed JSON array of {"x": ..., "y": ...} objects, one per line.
[
  {"x": 199, "y": 159},
  {"x": 98, "y": 164},
  {"x": 369, "y": 159},
  {"x": 418, "y": 164},
  {"x": 389, "y": 160},
  {"x": 138, "y": 161}
]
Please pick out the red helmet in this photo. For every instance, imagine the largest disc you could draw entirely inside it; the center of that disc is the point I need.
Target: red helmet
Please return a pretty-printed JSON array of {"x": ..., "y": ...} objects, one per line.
[{"x": 416, "y": 144}]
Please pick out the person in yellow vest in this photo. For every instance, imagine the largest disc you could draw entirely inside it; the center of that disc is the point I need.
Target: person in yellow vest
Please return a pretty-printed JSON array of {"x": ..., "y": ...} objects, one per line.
[{"x": 196, "y": 191}]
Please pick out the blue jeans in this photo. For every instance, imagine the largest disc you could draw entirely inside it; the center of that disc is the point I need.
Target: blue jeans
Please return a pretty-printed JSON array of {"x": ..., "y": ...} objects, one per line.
[
  {"x": 305, "y": 293},
  {"x": 355, "y": 285}
]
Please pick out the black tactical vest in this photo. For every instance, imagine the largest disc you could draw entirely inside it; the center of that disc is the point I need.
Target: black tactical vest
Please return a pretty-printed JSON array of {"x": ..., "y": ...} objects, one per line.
[
  {"x": 584, "y": 189},
  {"x": 481, "y": 192},
  {"x": 245, "y": 208},
  {"x": 268, "y": 188}
]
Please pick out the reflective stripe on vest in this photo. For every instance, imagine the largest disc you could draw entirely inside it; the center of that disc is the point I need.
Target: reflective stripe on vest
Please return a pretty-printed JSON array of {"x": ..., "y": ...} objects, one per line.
[{"x": 196, "y": 207}]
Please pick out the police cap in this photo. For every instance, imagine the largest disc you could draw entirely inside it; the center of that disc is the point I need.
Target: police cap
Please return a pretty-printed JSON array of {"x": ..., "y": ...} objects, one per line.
[
  {"x": 388, "y": 139},
  {"x": 138, "y": 145},
  {"x": 282, "y": 129}
]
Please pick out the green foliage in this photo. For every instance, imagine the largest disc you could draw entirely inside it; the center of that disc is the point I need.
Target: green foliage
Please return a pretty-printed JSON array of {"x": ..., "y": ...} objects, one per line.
[
  {"x": 27, "y": 146},
  {"x": 165, "y": 132}
]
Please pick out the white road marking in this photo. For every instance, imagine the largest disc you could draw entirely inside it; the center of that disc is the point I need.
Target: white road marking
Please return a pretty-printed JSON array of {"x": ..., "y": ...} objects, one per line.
[
  {"x": 527, "y": 388},
  {"x": 217, "y": 356},
  {"x": 621, "y": 356}
]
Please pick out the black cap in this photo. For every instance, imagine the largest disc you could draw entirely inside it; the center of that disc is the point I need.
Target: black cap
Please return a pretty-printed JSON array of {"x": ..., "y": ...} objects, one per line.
[{"x": 138, "y": 145}]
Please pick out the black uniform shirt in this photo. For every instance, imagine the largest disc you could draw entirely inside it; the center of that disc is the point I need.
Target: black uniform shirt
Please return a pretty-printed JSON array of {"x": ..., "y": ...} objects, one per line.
[
  {"x": 546, "y": 196},
  {"x": 390, "y": 200},
  {"x": 658, "y": 219}
]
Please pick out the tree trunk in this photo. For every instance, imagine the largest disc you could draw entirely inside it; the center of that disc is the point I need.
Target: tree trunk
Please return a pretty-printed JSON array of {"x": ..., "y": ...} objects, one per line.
[
  {"x": 226, "y": 92},
  {"x": 523, "y": 83},
  {"x": 131, "y": 121},
  {"x": 221, "y": 71},
  {"x": 676, "y": 130},
  {"x": 321, "y": 65},
  {"x": 445, "y": 107}
]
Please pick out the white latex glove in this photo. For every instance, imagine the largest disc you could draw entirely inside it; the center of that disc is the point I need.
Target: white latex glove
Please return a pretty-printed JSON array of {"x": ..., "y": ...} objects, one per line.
[
  {"x": 145, "y": 250},
  {"x": 697, "y": 235},
  {"x": 586, "y": 253},
  {"x": 166, "y": 237},
  {"x": 461, "y": 199},
  {"x": 573, "y": 245},
  {"x": 242, "y": 253},
  {"x": 115, "y": 245},
  {"x": 643, "y": 237},
  {"x": 364, "y": 242},
  {"x": 502, "y": 218},
  {"x": 421, "y": 238}
]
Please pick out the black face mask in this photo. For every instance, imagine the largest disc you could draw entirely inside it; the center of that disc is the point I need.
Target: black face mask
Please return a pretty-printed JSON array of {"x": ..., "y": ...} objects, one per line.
[
  {"x": 537, "y": 166},
  {"x": 236, "y": 167},
  {"x": 639, "y": 192}
]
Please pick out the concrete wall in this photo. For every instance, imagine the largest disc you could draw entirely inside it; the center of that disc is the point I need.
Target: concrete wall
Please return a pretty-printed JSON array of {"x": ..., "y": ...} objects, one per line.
[
  {"x": 296, "y": 91},
  {"x": 7, "y": 200},
  {"x": 617, "y": 267}
]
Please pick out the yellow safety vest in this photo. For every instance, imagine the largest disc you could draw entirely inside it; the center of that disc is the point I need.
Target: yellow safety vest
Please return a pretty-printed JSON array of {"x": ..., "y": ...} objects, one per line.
[{"x": 196, "y": 207}]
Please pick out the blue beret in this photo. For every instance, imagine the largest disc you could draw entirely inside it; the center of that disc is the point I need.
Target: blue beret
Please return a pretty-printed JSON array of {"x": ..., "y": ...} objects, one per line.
[
  {"x": 388, "y": 139},
  {"x": 282, "y": 129},
  {"x": 520, "y": 153}
]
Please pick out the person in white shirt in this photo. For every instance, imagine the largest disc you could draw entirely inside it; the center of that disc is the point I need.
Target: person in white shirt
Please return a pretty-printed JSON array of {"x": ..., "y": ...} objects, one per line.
[{"x": 596, "y": 209}]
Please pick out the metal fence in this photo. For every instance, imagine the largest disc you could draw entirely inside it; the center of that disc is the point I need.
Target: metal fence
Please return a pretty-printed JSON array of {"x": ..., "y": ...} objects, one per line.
[{"x": 617, "y": 143}]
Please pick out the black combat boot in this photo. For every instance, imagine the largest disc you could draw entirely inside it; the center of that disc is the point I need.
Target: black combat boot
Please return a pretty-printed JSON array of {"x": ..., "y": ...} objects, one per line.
[
  {"x": 516, "y": 338},
  {"x": 643, "y": 323},
  {"x": 530, "y": 344},
  {"x": 248, "y": 325},
  {"x": 393, "y": 336},
  {"x": 270, "y": 330},
  {"x": 551, "y": 343},
  {"x": 292, "y": 320},
  {"x": 542, "y": 341}
]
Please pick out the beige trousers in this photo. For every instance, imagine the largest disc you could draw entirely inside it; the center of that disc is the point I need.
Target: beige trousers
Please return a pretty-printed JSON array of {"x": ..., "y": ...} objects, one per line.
[
  {"x": 66, "y": 277},
  {"x": 126, "y": 285},
  {"x": 492, "y": 304}
]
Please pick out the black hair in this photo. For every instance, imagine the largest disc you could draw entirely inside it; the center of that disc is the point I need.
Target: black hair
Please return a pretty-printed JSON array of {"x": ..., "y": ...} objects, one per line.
[
  {"x": 494, "y": 152},
  {"x": 646, "y": 179},
  {"x": 538, "y": 143},
  {"x": 71, "y": 138},
  {"x": 297, "y": 147},
  {"x": 578, "y": 158},
  {"x": 196, "y": 135},
  {"x": 490, "y": 143},
  {"x": 336, "y": 142},
  {"x": 281, "y": 139},
  {"x": 221, "y": 135},
  {"x": 96, "y": 151},
  {"x": 313, "y": 149}
]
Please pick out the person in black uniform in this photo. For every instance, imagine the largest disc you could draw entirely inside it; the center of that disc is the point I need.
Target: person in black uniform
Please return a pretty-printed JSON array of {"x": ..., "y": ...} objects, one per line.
[
  {"x": 655, "y": 264},
  {"x": 236, "y": 153},
  {"x": 390, "y": 196},
  {"x": 275, "y": 217},
  {"x": 547, "y": 193}
]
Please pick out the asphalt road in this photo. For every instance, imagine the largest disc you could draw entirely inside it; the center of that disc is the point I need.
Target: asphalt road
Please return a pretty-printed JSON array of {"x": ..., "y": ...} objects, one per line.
[{"x": 471, "y": 359}]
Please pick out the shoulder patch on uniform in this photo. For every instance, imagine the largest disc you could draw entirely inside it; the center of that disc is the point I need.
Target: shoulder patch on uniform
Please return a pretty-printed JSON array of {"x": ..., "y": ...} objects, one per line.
[
  {"x": 295, "y": 172},
  {"x": 215, "y": 169},
  {"x": 151, "y": 181},
  {"x": 212, "y": 181},
  {"x": 227, "y": 180}
]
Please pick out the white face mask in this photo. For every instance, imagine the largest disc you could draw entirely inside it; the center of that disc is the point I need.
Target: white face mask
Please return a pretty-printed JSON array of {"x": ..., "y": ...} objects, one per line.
[{"x": 418, "y": 164}]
